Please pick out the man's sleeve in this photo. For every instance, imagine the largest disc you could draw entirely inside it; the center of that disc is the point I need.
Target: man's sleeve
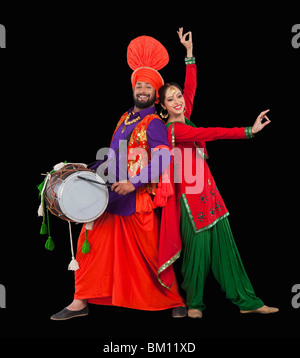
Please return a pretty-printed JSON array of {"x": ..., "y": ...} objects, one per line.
[{"x": 157, "y": 137}]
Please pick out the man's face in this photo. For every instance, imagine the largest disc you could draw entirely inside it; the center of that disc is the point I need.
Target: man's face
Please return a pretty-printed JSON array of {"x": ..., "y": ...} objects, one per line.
[{"x": 144, "y": 95}]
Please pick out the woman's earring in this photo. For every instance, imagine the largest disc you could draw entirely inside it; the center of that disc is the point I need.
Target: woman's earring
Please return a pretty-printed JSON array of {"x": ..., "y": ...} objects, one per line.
[{"x": 164, "y": 115}]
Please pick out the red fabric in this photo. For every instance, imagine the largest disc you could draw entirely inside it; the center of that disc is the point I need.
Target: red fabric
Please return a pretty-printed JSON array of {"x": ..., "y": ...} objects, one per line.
[
  {"x": 190, "y": 86},
  {"x": 207, "y": 205},
  {"x": 146, "y": 51},
  {"x": 121, "y": 268},
  {"x": 147, "y": 75},
  {"x": 185, "y": 133},
  {"x": 169, "y": 239},
  {"x": 146, "y": 55}
]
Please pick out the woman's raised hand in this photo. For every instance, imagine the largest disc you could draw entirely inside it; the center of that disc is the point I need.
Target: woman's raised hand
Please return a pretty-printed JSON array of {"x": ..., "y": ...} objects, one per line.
[{"x": 188, "y": 44}]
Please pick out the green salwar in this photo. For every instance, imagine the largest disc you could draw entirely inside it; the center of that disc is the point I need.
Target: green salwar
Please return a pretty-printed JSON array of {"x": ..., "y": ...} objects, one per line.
[{"x": 214, "y": 248}]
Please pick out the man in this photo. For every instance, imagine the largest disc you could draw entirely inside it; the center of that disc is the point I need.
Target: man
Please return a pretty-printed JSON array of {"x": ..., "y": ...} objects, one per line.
[{"x": 129, "y": 263}]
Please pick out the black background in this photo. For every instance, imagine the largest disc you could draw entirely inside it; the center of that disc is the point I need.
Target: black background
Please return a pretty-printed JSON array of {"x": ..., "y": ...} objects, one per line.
[{"x": 65, "y": 83}]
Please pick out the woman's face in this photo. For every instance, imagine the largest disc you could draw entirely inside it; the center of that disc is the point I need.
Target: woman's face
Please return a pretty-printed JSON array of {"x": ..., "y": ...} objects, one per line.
[{"x": 174, "y": 101}]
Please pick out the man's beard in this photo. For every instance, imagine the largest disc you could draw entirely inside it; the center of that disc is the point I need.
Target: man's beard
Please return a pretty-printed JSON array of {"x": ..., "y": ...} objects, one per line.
[{"x": 144, "y": 104}]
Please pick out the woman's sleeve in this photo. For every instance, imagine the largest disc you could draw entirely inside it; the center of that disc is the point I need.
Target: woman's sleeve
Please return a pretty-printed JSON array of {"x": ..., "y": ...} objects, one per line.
[
  {"x": 190, "y": 86},
  {"x": 185, "y": 133}
]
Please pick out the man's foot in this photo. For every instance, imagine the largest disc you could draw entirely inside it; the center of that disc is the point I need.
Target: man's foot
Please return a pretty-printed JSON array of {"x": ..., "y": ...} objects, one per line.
[
  {"x": 263, "y": 310},
  {"x": 77, "y": 308},
  {"x": 179, "y": 312},
  {"x": 67, "y": 314},
  {"x": 77, "y": 305},
  {"x": 193, "y": 313}
]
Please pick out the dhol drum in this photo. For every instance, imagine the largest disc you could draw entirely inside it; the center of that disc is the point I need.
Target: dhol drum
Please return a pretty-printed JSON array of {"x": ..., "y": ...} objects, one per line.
[{"x": 73, "y": 193}]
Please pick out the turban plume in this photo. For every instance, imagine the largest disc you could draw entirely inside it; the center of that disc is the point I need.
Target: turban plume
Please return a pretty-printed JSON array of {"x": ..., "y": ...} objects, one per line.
[{"x": 145, "y": 56}]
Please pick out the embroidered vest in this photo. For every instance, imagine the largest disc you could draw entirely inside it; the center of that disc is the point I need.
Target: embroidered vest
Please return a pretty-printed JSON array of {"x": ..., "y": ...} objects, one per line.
[{"x": 138, "y": 157}]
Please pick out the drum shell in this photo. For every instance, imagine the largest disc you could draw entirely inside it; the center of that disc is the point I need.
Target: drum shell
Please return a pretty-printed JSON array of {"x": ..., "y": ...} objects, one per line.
[{"x": 58, "y": 182}]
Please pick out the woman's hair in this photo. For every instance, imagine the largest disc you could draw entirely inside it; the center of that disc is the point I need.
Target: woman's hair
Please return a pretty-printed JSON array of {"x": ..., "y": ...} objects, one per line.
[{"x": 162, "y": 91}]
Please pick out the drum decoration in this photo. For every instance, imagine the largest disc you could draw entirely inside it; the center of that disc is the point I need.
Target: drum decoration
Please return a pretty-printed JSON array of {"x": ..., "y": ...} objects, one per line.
[{"x": 73, "y": 193}]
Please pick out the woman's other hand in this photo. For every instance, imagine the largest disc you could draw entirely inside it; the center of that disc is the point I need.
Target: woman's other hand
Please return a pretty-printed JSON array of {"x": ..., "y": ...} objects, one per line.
[{"x": 258, "y": 125}]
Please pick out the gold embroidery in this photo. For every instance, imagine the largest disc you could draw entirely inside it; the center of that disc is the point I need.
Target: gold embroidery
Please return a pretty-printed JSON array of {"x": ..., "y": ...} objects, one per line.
[
  {"x": 139, "y": 139},
  {"x": 166, "y": 265},
  {"x": 142, "y": 134}
]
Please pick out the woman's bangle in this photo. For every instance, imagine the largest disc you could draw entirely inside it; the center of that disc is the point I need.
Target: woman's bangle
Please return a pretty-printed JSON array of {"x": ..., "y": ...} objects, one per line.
[
  {"x": 248, "y": 132},
  {"x": 190, "y": 60}
]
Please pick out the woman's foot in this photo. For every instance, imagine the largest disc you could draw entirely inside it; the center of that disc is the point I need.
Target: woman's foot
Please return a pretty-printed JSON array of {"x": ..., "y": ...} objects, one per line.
[
  {"x": 262, "y": 310},
  {"x": 193, "y": 313}
]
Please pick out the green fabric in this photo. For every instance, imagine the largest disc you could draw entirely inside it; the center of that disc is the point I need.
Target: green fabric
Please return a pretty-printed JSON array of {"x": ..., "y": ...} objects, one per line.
[
  {"x": 214, "y": 248},
  {"x": 187, "y": 121}
]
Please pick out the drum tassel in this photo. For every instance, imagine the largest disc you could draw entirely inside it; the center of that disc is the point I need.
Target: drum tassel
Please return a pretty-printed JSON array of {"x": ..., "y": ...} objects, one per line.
[
  {"x": 41, "y": 210},
  {"x": 73, "y": 265},
  {"x": 86, "y": 245}
]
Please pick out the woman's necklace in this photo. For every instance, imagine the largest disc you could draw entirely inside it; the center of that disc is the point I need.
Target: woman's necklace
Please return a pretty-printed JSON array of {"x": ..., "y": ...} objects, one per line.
[{"x": 127, "y": 122}]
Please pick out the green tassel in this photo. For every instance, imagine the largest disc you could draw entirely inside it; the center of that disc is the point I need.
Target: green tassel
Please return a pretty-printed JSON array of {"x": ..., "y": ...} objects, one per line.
[
  {"x": 86, "y": 245},
  {"x": 49, "y": 245},
  {"x": 44, "y": 229}
]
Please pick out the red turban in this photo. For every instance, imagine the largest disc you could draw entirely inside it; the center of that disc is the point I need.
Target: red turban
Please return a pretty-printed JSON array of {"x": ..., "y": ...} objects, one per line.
[{"x": 145, "y": 56}]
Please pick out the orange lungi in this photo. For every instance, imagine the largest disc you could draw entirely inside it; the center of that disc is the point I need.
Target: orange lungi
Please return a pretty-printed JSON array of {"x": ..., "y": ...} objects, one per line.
[{"x": 121, "y": 267}]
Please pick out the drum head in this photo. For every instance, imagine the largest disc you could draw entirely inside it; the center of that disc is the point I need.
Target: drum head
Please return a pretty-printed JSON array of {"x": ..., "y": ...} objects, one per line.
[{"x": 80, "y": 200}]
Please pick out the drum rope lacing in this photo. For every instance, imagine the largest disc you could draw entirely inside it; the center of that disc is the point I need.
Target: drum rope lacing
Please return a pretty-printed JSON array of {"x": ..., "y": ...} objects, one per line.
[{"x": 59, "y": 176}]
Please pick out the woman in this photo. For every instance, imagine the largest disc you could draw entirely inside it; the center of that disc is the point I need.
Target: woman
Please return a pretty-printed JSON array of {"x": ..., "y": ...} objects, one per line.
[{"x": 206, "y": 235}]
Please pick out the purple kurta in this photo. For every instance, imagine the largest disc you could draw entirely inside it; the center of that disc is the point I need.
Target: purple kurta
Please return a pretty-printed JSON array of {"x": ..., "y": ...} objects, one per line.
[{"x": 156, "y": 135}]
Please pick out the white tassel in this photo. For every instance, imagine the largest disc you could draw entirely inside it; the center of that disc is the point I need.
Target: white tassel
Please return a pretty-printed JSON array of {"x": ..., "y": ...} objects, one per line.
[
  {"x": 41, "y": 207},
  {"x": 59, "y": 166},
  {"x": 73, "y": 265},
  {"x": 41, "y": 210},
  {"x": 90, "y": 225}
]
